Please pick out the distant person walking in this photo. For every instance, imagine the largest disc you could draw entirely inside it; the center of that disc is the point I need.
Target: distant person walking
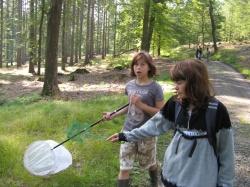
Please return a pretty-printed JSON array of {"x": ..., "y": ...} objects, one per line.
[
  {"x": 208, "y": 53},
  {"x": 198, "y": 53}
]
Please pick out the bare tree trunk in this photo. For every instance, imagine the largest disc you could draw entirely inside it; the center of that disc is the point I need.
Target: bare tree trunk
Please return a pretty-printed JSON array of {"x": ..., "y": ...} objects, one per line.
[
  {"x": 159, "y": 45},
  {"x": 32, "y": 38},
  {"x": 104, "y": 34},
  {"x": 77, "y": 33},
  {"x": 40, "y": 38},
  {"x": 19, "y": 37},
  {"x": 114, "y": 45},
  {"x": 98, "y": 29},
  {"x": 64, "y": 54},
  {"x": 211, "y": 14},
  {"x": 81, "y": 29},
  {"x": 145, "y": 29},
  {"x": 50, "y": 86},
  {"x": 92, "y": 30},
  {"x": 87, "y": 50},
  {"x": 1, "y": 34},
  {"x": 71, "y": 61}
]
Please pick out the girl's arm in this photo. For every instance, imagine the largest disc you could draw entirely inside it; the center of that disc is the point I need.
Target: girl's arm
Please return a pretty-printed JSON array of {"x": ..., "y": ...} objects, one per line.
[
  {"x": 225, "y": 157},
  {"x": 146, "y": 108},
  {"x": 225, "y": 148},
  {"x": 155, "y": 126},
  {"x": 108, "y": 116}
]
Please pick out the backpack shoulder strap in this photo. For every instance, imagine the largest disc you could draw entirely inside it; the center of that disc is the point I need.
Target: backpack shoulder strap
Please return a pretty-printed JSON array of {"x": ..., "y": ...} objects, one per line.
[
  {"x": 211, "y": 122},
  {"x": 177, "y": 110}
]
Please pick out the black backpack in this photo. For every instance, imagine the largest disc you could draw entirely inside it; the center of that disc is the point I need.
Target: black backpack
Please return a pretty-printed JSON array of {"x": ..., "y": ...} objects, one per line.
[{"x": 210, "y": 123}]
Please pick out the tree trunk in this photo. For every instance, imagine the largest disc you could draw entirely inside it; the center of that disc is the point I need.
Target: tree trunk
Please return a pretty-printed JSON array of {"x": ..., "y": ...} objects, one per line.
[
  {"x": 19, "y": 37},
  {"x": 92, "y": 30},
  {"x": 150, "y": 30},
  {"x": 104, "y": 34},
  {"x": 145, "y": 29},
  {"x": 50, "y": 86},
  {"x": 32, "y": 38},
  {"x": 40, "y": 38},
  {"x": 81, "y": 29},
  {"x": 87, "y": 51},
  {"x": 1, "y": 34},
  {"x": 64, "y": 54},
  {"x": 71, "y": 61},
  {"x": 115, "y": 23},
  {"x": 98, "y": 29},
  {"x": 159, "y": 45},
  {"x": 77, "y": 33},
  {"x": 213, "y": 25}
]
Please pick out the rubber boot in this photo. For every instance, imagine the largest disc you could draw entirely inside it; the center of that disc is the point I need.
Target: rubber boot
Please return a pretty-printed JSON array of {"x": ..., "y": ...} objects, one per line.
[
  {"x": 153, "y": 177},
  {"x": 123, "y": 183}
]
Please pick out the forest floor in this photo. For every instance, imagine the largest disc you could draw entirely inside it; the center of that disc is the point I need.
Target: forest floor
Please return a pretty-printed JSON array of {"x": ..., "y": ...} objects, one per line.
[{"x": 231, "y": 88}]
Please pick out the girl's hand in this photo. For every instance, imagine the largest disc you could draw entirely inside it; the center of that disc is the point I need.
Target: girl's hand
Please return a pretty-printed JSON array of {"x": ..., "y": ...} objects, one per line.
[
  {"x": 135, "y": 99},
  {"x": 107, "y": 116},
  {"x": 113, "y": 138}
]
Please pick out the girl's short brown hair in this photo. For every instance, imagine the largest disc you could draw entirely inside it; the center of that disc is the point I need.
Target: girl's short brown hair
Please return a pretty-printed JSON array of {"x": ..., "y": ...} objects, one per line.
[
  {"x": 148, "y": 59},
  {"x": 198, "y": 87}
]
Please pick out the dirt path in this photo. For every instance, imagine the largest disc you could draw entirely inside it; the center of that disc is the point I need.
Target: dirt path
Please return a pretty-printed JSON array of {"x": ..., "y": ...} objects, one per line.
[{"x": 234, "y": 92}]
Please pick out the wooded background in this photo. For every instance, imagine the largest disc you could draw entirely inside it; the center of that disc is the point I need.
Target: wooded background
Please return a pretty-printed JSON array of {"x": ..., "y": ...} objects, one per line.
[{"x": 40, "y": 32}]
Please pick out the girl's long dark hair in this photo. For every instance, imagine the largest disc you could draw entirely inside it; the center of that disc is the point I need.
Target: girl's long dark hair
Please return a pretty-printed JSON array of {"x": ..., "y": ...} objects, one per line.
[{"x": 198, "y": 87}]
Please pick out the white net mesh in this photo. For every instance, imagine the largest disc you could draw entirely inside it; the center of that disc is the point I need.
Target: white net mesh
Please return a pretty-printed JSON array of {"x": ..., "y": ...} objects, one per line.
[{"x": 40, "y": 160}]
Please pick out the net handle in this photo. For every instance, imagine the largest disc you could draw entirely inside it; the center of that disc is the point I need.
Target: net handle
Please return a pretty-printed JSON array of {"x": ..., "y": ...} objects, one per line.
[{"x": 92, "y": 125}]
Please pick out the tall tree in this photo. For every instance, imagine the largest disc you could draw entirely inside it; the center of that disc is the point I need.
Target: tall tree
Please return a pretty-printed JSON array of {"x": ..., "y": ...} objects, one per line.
[
  {"x": 145, "y": 29},
  {"x": 32, "y": 38},
  {"x": 50, "y": 86},
  {"x": 71, "y": 61},
  {"x": 40, "y": 38},
  {"x": 1, "y": 34},
  {"x": 19, "y": 35},
  {"x": 87, "y": 46},
  {"x": 213, "y": 25},
  {"x": 64, "y": 46}
]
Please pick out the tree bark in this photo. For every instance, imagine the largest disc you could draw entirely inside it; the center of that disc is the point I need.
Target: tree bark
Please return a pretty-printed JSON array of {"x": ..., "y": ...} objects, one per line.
[
  {"x": 19, "y": 37},
  {"x": 64, "y": 55},
  {"x": 40, "y": 38},
  {"x": 50, "y": 87},
  {"x": 145, "y": 29},
  {"x": 1, "y": 34},
  {"x": 87, "y": 51},
  {"x": 32, "y": 38},
  {"x": 71, "y": 61},
  {"x": 213, "y": 25}
]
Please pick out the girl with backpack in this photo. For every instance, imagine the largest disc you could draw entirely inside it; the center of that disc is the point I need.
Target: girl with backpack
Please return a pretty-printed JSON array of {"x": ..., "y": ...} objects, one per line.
[{"x": 191, "y": 160}]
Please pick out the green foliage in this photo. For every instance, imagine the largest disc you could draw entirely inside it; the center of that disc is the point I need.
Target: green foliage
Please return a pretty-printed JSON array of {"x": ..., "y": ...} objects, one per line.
[
  {"x": 25, "y": 99},
  {"x": 122, "y": 62},
  {"x": 227, "y": 56},
  {"x": 181, "y": 53}
]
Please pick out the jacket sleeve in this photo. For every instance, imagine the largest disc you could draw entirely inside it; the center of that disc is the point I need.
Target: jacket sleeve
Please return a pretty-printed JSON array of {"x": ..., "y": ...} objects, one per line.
[
  {"x": 155, "y": 126},
  {"x": 225, "y": 148}
]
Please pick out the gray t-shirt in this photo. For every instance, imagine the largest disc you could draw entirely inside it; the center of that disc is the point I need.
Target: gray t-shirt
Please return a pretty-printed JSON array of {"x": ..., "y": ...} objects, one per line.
[{"x": 149, "y": 94}]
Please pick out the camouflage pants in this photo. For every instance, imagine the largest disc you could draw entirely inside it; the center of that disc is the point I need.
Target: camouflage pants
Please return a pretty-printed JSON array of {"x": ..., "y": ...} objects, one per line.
[{"x": 144, "y": 151}]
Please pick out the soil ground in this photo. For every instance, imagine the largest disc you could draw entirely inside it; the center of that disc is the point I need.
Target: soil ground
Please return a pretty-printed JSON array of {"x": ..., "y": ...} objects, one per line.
[{"x": 231, "y": 88}]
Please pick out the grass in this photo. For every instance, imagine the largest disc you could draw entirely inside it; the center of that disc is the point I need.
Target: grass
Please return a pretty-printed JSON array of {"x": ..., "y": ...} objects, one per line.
[
  {"x": 231, "y": 57},
  {"x": 47, "y": 119},
  {"x": 181, "y": 53},
  {"x": 31, "y": 118}
]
